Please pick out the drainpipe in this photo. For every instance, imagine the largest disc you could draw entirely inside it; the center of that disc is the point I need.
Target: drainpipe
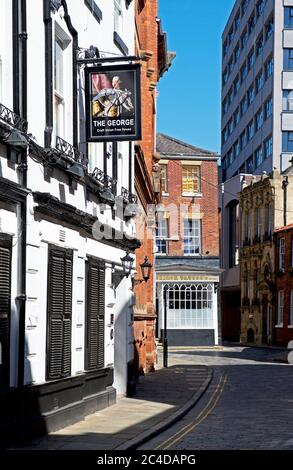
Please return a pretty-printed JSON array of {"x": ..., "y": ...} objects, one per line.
[
  {"x": 284, "y": 187},
  {"x": 20, "y": 107},
  {"x": 48, "y": 72}
]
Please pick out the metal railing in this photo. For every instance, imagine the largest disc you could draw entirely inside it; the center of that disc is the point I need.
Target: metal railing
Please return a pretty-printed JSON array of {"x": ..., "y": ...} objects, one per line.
[
  {"x": 72, "y": 153},
  {"x": 13, "y": 119},
  {"x": 102, "y": 178}
]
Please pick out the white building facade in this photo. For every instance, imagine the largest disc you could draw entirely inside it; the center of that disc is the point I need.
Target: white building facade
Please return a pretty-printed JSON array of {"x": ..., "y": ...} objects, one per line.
[{"x": 65, "y": 304}]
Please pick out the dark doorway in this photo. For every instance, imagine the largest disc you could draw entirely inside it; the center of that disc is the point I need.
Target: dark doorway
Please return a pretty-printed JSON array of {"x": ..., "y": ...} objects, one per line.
[
  {"x": 231, "y": 315},
  {"x": 250, "y": 336}
]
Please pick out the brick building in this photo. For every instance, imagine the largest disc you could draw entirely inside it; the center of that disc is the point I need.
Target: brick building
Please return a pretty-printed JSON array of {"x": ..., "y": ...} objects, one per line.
[
  {"x": 151, "y": 46},
  {"x": 187, "y": 243},
  {"x": 284, "y": 285}
]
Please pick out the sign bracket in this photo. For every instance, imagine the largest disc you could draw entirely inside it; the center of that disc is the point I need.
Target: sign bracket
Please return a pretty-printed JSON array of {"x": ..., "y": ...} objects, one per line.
[{"x": 92, "y": 56}]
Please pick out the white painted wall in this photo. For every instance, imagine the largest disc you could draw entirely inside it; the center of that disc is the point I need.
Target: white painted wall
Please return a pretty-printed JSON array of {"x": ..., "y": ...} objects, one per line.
[
  {"x": 123, "y": 346},
  {"x": 41, "y": 232},
  {"x": 9, "y": 223},
  {"x": 6, "y": 96}
]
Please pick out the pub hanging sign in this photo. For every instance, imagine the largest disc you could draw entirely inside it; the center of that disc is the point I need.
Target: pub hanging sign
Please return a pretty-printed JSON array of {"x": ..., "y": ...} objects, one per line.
[{"x": 113, "y": 103}]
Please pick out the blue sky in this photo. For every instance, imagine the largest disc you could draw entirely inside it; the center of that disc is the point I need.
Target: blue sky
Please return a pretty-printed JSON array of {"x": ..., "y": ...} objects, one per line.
[{"x": 189, "y": 101}]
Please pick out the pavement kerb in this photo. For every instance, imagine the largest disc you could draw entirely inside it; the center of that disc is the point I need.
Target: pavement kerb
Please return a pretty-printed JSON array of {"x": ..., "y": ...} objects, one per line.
[
  {"x": 259, "y": 346},
  {"x": 170, "y": 420},
  {"x": 191, "y": 348}
]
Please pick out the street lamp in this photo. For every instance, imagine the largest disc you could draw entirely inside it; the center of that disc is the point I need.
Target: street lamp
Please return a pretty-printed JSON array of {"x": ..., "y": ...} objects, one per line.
[
  {"x": 17, "y": 139},
  {"x": 127, "y": 263},
  {"x": 146, "y": 267}
]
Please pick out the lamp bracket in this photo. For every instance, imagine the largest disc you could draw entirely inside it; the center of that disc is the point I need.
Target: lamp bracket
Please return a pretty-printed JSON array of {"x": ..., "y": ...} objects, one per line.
[
  {"x": 92, "y": 56},
  {"x": 136, "y": 282}
]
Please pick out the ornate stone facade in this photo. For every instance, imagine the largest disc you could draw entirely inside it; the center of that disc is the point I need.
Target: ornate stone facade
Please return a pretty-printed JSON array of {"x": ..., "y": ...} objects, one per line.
[{"x": 265, "y": 203}]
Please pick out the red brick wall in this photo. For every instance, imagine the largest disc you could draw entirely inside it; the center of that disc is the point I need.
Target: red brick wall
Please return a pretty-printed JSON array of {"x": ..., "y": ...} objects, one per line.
[
  {"x": 207, "y": 205},
  {"x": 284, "y": 282},
  {"x": 147, "y": 40},
  {"x": 144, "y": 321}
]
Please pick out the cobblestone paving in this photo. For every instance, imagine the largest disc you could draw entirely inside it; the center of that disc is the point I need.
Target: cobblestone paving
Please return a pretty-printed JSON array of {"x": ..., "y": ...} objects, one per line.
[{"x": 254, "y": 410}]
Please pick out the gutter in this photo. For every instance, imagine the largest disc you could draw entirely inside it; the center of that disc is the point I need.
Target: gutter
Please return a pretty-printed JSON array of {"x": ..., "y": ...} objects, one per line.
[{"x": 176, "y": 156}]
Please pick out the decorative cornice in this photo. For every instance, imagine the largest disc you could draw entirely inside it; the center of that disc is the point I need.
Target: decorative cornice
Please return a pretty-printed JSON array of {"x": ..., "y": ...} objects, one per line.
[
  {"x": 150, "y": 71},
  {"x": 146, "y": 55},
  {"x": 12, "y": 191},
  {"x": 51, "y": 206}
]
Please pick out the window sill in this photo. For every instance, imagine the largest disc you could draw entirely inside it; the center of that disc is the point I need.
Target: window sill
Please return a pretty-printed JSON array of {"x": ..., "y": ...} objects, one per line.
[
  {"x": 279, "y": 326},
  {"x": 290, "y": 327},
  {"x": 165, "y": 194},
  {"x": 197, "y": 255},
  {"x": 192, "y": 194}
]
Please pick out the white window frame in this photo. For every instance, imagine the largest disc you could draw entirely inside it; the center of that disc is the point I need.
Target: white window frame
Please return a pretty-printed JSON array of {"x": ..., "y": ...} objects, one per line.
[
  {"x": 190, "y": 306},
  {"x": 280, "y": 308},
  {"x": 162, "y": 236},
  {"x": 193, "y": 177},
  {"x": 61, "y": 95},
  {"x": 118, "y": 17},
  {"x": 190, "y": 239}
]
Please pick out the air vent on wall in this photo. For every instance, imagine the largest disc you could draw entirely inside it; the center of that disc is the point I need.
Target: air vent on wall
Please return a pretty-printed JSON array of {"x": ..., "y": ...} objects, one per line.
[{"x": 62, "y": 236}]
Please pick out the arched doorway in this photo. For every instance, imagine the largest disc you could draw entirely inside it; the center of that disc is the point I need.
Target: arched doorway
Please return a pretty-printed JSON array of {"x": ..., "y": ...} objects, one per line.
[{"x": 250, "y": 336}]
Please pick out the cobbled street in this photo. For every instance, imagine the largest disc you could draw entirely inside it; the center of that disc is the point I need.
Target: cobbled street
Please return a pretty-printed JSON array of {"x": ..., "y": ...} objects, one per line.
[{"x": 249, "y": 403}]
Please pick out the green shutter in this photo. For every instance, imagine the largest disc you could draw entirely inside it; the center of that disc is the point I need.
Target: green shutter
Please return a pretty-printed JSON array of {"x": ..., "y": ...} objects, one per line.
[{"x": 59, "y": 313}]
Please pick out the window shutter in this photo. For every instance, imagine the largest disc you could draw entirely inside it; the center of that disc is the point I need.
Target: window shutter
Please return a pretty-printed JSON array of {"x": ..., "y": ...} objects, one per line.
[
  {"x": 59, "y": 313},
  {"x": 95, "y": 296},
  {"x": 101, "y": 317},
  {"x": 67, "y": 315},
  {"x": 5, "y": 299}
]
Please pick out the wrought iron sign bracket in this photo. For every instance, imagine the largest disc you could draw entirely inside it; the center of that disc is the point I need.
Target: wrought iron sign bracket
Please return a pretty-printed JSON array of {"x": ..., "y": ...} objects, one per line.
[{"x": 92, "y": 56}]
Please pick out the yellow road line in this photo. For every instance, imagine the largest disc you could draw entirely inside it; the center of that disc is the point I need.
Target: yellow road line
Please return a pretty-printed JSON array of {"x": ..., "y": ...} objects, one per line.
[
  {"x": 201, "y": 417},
  {"x": 189, "y": 424}
]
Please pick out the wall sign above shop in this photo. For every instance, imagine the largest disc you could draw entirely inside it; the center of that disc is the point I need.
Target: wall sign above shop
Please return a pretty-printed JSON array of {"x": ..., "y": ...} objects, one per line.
[{"x": 113, "y": 103}]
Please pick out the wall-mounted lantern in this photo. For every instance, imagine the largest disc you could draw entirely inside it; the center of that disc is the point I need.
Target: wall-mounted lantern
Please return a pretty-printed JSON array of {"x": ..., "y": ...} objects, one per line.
[
  {"x": 127, "y": 263},
  {"x": 146, "y": 268}
]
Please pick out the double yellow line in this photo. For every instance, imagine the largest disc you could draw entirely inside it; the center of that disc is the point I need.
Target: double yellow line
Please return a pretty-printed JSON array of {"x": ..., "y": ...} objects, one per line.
[{"x": 199, "y": 419}]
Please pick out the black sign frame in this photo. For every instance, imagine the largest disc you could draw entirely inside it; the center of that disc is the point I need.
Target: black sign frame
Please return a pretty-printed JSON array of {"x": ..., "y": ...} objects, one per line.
[{"x": 124, "y": 127}]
